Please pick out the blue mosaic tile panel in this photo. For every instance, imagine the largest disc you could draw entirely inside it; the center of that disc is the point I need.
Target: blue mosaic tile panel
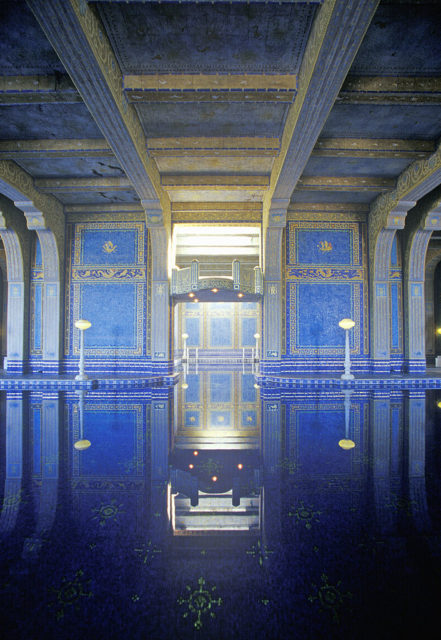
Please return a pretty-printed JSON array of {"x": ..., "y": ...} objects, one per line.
[
  {"x": 108, "y": 283},
  {"x": 326, "y": 281}
]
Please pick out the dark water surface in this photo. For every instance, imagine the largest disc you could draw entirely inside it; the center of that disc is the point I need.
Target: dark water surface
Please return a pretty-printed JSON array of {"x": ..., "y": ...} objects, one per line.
[{"x": 272, "y": 530}]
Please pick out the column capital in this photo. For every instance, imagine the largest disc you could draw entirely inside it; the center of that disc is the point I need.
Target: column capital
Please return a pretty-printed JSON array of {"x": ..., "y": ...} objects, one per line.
[
  {"x": 34, "y": 217},
  {"x": 277, "y": 212},
  {"x": 397, "y": 215},
  {"x": 153, "y": 213}
]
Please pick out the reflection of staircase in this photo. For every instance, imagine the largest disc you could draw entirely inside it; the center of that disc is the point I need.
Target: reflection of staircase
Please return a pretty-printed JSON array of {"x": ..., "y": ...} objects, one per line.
[
  {"x": 215, "y": 512},
  {"x": 208, "y": 440}
]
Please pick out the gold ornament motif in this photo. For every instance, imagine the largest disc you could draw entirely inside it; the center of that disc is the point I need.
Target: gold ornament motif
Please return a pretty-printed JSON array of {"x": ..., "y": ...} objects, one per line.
[
  {"x": 200, "y": 602},
  {"x": 324, "y": 246},
  {"x": 109, "y": 247}
]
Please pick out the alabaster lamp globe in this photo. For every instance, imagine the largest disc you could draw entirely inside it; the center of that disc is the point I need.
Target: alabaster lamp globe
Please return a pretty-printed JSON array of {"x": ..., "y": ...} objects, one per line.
[
  {"x": 346, "y": 323},
  {"x": 81, "y": 445},
  {"x": 185, "y": 336},
  {"x": 346, "y": 444},
  {"x": 82, "y": 325}
]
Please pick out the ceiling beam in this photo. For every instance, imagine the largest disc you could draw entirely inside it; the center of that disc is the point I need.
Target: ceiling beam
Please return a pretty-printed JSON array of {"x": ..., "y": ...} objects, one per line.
[
  {"x": 83, "y": 184},
  {"x": 200, "y": 146},
  {"x": 100, "y": 209},
  {"x": 390, "y": 90},
  {"x": 344, "y": 183},
  {"x": 85, "y": 148},
  {"x": 80, "y": 41},
  {"x": 371, "y": 148},
  {"x": 336, "y": 34},
  {"x": 201, "y": 87},
  {"x": 214, "y": 181},
  {"x": 37, "y": 89}
]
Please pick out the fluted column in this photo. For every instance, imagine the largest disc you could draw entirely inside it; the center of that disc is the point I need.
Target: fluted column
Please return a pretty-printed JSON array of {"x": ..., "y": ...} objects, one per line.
[
  {"x": 426, "y": 217},
  {"x": 380, "y": 243},
  {"x": 16, "y": 241}
]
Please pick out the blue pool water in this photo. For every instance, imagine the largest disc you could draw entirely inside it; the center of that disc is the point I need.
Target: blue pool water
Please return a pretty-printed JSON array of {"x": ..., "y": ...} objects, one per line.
[{"x": 272, "y": 530}]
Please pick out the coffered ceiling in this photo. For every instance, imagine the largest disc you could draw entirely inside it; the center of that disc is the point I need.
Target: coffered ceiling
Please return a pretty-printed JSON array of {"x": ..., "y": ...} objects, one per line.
[{"x": 120, "y": 104}]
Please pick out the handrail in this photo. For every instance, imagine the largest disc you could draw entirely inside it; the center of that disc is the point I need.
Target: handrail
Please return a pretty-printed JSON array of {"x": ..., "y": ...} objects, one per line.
[{"x": 241, "y": 279}]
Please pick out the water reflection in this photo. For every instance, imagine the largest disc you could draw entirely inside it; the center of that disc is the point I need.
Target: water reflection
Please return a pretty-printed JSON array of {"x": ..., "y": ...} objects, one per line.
[{"x": 272, "y": 530}]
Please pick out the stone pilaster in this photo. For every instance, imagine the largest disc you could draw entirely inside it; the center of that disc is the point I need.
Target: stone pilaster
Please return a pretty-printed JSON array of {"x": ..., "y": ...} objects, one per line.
[
  {"x": 273, "y": 283},
  {"x": 159, "y": 236}
]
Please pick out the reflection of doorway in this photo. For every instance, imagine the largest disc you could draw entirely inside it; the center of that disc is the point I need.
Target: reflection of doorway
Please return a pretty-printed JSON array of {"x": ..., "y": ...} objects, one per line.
[
  {"x": 3, "y": 304},
  {"x": 215, "y": 459}
]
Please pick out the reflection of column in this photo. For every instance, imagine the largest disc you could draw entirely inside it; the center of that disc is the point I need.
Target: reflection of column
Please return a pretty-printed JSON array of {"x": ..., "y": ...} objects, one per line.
[
  {"x": 160, "y": 413},
  {"x": 380, "y": 420},
  {"x": 14, "y": 462},
  {"x": 271, "y": 437},
  {"x": 415, "y": 413},
  {"x": 271, "y": 455},
  {"x": 47, "y": 494}
]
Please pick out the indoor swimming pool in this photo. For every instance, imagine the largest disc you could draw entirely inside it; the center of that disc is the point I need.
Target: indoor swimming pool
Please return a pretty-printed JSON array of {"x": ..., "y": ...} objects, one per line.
[{"x": 216, "y": 508}]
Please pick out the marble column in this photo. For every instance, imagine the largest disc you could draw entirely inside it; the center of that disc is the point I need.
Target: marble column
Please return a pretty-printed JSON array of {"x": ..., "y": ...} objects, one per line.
[
  {"x": 53, "y": 268},
  {"x": 425, "y": 218},
  {"x": 380, "y": 243},
  {"x": 16, "y": 241}
]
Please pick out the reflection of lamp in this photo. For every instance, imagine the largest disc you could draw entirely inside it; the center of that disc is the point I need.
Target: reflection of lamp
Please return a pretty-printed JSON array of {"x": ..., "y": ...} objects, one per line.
[
  {"x": 82, "y": 443},
  {"x": 184, "y": 384},
  {"x": 347, "y": 324},
  {"x": 256, "y": 337},
  {"x": 184, "y": 353},
  {"x": 346, "y": 443},
  {"x": 438, "y": 358},
  {"x": 82, "y": 325}
]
